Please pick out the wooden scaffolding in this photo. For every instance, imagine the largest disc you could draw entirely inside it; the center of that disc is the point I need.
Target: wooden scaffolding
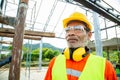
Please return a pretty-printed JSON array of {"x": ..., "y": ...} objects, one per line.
[{"x": 19, "y": 34}]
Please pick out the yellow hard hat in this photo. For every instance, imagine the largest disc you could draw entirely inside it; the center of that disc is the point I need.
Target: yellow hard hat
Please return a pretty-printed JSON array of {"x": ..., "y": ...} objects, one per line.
[{"x": 77, "y": 16}]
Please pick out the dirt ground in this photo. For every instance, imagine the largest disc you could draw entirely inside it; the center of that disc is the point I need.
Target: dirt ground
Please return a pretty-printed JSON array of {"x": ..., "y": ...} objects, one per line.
[{"x": 33, "y": 73}]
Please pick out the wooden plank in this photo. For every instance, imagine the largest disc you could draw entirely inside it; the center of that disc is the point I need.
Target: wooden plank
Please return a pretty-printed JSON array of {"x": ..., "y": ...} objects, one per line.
[
  {"x": 27, "y": 32},
  {"x": 24, "y": 1},
  {"x": 5, "y": 42},
  {"x": 25, "y": 36},
  {"x": 37, "y": 33},
  {"x": 15, "y": 65},
  {"x": 8, "y": 20},
  {"x": 7, "y": 30},
  {"x": 6, "y": 35},
  {"x": 32, "y": 37}
]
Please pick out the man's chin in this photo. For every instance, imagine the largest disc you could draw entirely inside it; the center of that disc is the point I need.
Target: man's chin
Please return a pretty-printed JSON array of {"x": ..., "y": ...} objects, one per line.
[
  {"x": 75, "y": 45},
  {"x": 72, "y": 45}
]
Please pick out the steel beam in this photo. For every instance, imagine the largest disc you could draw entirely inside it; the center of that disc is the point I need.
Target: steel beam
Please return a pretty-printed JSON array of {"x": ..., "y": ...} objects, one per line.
[{"x": 100, "y": 9}]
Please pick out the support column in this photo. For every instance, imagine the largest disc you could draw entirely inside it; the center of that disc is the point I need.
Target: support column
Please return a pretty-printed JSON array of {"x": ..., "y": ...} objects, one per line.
[
  {"x": 0, "y": 44},
  {"x": 98, "y": 42},
  {"x": 40, "y": 55},
  {"x": 14, "y": 72}
]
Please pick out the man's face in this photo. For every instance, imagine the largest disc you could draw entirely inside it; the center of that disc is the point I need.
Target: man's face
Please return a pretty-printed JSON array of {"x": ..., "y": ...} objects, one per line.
[{"x": 76, "y": 35}]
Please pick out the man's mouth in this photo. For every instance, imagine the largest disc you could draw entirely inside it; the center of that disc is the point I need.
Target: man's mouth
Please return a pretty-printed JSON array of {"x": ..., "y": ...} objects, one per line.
[{"x": 72, "y": 40}]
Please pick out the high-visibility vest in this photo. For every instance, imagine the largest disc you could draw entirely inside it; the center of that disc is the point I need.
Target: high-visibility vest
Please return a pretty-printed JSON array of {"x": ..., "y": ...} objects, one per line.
[{"x": 93, "y": 70}]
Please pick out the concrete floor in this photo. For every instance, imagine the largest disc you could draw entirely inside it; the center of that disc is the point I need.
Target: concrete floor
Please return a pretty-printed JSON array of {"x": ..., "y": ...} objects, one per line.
[{"x": 33, "y": 74}]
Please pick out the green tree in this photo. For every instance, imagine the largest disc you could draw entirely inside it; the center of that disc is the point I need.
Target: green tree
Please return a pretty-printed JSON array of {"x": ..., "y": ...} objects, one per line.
[
  {"x": 49, "y": 54},
  {"x": 56, "y": 52},
  {"x": 35, "y": 54},
  {"x": 25, "y": 53},
  {"x": 114, "y": 56},
  {"x": 44, "y": 58},
  {"x": 3, "y": 56},
  {"x": 10, "y": 47}
]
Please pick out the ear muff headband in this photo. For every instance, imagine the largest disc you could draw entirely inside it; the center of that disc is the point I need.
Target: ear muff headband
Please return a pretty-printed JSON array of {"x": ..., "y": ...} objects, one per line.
[{"x": 77, "y": 54}]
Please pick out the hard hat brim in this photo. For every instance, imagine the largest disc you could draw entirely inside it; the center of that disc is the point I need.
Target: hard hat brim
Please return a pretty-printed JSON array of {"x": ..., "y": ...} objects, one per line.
[{"x": 67, "y": 20}]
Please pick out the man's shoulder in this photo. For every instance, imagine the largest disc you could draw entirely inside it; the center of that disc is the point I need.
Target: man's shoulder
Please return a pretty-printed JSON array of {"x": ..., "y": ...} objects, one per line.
[
  {"x": 53, "y": 59},
  {"x": 97, "y": 56}
]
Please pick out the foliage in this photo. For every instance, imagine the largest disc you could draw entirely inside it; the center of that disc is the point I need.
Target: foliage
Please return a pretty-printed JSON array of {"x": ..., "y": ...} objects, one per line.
[
  {"x": 10, "y": 47},
  {"x": 35, "y": 54},
  {"x": 30, "y": 51},
  {"x": 3, "y": 56},
  {"x": 112, "y": 54},
  {"x": 49, "y": 52}
]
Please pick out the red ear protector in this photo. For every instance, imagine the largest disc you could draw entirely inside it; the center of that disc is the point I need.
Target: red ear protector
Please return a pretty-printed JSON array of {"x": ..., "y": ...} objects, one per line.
[{"x": 75, "y": 54}]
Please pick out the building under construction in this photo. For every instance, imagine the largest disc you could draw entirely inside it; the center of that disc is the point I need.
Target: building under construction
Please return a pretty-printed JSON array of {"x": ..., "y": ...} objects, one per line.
[{"x": 22, "y": 21}]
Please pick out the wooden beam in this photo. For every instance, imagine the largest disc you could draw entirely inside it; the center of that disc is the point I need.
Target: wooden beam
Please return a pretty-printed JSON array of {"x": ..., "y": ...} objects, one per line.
[
  {"x": 32, "y": 37},
  {"x": 8, "y": 20},
  {"x": 14, "y": 73},
  {"x": 24, "y": 1},
  {"x": 5, "y": 42},
  {"x": 25, "y": 36},
  {"x": 37, "y": 33},
  {"x": 6, "y": 35},
  {"x": 7, "y": 30},
  {"x": 27, "y": 32}
]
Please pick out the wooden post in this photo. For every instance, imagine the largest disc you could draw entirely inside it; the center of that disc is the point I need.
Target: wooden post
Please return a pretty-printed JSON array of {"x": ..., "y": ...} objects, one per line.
[{"x": 14, "y": 72}]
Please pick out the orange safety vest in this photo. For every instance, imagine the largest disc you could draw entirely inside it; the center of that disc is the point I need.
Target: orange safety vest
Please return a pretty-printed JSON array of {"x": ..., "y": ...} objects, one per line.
[{"x": 94, "y": 69}]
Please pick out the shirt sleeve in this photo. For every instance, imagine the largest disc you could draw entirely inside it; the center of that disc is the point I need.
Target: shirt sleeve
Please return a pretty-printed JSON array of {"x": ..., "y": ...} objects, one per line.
[
  {"x": 48, "y": 75},
  {"x": 110, "y": 73}
]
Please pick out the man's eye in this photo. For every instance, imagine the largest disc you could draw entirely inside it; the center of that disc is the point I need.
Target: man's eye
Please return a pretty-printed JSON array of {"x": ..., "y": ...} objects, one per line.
[
  {"x": 67, "y": 29},
  {"x": 77, "y": 28}
]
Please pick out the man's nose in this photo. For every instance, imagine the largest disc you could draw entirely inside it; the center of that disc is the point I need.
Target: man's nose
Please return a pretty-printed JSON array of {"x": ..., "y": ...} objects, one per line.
[{"x": 71, "y": 33}]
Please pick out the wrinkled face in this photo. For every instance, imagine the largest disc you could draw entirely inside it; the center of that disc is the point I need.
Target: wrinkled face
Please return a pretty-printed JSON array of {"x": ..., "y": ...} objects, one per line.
[{"x": 76, "y": 35}]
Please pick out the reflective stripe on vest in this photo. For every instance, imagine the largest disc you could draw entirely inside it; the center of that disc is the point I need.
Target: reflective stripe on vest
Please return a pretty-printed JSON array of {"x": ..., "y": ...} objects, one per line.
[
  {"x": 93, "y": 70},
  {"x": 73, "y": 72}
]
